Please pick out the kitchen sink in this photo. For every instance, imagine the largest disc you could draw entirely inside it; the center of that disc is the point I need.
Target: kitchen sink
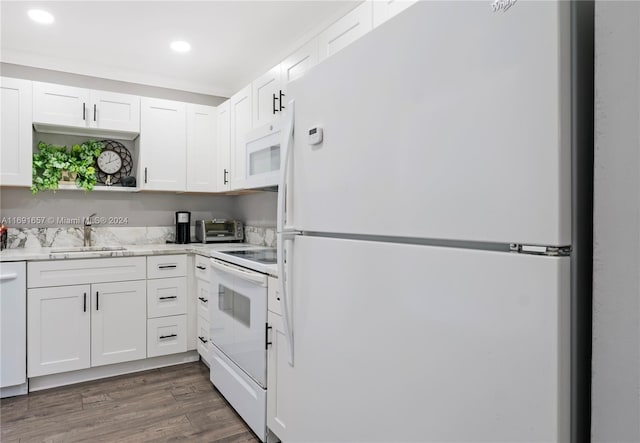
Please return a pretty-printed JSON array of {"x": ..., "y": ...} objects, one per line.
[{"x": 81, "y": 249}]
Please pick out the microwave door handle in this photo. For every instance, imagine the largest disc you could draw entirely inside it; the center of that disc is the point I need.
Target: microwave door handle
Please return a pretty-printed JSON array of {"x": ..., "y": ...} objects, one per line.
[{"x": 253, "y": 277}]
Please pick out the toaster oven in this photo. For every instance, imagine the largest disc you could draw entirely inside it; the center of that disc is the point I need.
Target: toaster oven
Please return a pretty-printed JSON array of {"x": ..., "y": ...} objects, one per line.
[{"x": 209, "y": 231}]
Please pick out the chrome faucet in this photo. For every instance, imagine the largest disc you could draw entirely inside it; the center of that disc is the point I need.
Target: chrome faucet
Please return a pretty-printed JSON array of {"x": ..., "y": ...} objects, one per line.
[{"x": 87, "y": 229}]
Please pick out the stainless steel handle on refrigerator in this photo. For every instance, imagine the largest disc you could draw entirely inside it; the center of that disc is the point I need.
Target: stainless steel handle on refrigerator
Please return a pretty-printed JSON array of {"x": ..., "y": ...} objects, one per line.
[
  {"x": 251, "y": 276},
  {"x": 285, "y": 232}
]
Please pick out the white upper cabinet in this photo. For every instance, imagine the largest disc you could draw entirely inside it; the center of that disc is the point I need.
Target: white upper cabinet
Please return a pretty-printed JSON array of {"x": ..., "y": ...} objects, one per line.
[
  {"x": 16, "y": 143},
  {"x": 202, "y": 168},
  {"x": 63, "y": 109},
  {"x": 299, "y": 62},
  {"x": 240, "y": 113},
  {"x": 267, "y": 94},
  {"x": 60, "y": 105},
  {"x": 223, "y": 177},
  {"x": 112, "y": 111},
  {"x": 163, "y": 140},
  {"x": 384, "y": 10},
  {"x": 346, "y": 30}
]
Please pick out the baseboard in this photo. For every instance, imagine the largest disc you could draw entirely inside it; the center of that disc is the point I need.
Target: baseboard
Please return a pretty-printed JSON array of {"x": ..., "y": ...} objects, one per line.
[
  {"x": 72, "y": 377},
  {"x": 12, "y": 391}
]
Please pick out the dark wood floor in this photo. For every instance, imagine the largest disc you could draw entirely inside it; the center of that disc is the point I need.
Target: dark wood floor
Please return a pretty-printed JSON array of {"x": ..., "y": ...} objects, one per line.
[{"x": 177, "y": 403}]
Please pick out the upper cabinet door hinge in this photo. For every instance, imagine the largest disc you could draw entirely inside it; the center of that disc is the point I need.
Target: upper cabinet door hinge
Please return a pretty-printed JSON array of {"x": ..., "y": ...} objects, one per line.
[{"x": 551, "y": 251}]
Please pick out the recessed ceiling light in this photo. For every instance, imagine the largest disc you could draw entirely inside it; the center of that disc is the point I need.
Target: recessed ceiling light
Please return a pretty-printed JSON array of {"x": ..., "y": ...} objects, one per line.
[
  {"x": 180, "y": 46},
  {"x": 40, "y": 16}
]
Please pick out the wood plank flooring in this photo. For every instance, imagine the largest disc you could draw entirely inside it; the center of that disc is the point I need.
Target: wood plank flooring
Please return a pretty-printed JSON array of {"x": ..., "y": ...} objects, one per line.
[{"x": 177, "y": 403}]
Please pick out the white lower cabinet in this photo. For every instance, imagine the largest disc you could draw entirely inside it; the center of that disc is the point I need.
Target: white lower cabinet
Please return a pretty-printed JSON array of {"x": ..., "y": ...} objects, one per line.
[
  {"x": 276, "y": 363},
  {"x": 58, "y": 329},
  {"x": 203, "y": 297},
  {"x": 203, "y": 344},
  {"x": 118, "y": 322},
  {"x": 82, "y": 326},
  {"x": 166, "y": 305},
  {"x": 166, "y": 335}
]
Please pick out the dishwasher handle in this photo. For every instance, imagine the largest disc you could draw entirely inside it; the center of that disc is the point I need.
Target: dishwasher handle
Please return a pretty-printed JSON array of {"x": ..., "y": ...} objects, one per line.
[{"x": 6, "y": 277}]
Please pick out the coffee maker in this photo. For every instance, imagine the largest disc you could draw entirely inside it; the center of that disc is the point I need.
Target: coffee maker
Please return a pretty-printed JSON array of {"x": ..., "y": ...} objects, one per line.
[{"x": 183, "y": 227}]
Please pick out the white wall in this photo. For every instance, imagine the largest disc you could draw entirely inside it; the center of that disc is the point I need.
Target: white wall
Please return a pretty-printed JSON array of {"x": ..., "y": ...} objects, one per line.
[
  {"x": 616, "y": 279},
  {"x": 257, "y": 209}
]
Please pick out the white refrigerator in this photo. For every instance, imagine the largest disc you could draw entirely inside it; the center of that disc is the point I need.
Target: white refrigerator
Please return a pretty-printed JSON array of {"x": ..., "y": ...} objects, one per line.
[{"x": 425, "y": 242}]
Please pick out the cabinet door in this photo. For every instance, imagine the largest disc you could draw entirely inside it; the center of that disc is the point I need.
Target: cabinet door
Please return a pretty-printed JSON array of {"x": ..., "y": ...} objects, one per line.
[
  {"x": 58, "y": 329},
  {"x": 201, "y": 148},
  {"x": 203, "y": 339},
  {"x": 223, "y": 177},
  {"x": 166, "y": 296},
  {"x": 60, "y": 105},
  {"x": 265, "y": 92},
  {"x": 203, "y": 294},
  {"x": 167, "y": 335},
  {"x": 240, "y": 111},
  {"x": 163, "y": 143},
  {"x": 384, "y": 10},
  {"x": 13, "y": 323},
  {"x": 276, "y": 361},
  {"x": 346, "y": 30},
  {"x": 16, "y": 146},
  {"x": 299, "y": 62},
  {"x": 118, "y": 322},
  {"x": 118, "y": 112}
]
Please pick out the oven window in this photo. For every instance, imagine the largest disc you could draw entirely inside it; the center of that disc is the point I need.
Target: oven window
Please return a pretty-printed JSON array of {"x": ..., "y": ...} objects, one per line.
[
  {"x": 265, "y": 160},
  {"x": 235, "y": 305}
]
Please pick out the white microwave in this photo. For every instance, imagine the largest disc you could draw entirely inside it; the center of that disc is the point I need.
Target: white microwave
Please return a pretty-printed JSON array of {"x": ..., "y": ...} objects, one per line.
[{"x": 263, "y": 156}]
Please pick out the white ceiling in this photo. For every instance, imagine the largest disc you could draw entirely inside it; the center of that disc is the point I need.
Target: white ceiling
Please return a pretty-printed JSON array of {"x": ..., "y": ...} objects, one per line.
[{"x": 232, "y": 42}]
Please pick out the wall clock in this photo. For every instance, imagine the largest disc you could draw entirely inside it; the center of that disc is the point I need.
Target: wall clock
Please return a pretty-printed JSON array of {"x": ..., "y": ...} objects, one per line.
[{"x": 113, "y": 163}]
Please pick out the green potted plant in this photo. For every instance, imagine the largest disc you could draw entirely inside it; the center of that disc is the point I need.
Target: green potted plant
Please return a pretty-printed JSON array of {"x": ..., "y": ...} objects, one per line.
[{"x": 52, "y": 163}]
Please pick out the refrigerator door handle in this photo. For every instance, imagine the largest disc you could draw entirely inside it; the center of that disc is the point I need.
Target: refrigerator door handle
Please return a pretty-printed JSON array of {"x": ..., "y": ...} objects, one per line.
[
  {"x": 283, "y": 286},
  {"x": 282, "y": 229},
  {"x": 285, "y": 154}
]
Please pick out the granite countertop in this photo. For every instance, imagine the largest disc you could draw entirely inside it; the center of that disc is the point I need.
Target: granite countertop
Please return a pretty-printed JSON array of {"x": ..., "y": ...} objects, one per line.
[{"x": 65, "y": 253}]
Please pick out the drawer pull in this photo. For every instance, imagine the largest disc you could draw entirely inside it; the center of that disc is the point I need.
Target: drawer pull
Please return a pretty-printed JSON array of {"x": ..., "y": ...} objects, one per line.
[
  {"x": 168, "y": 336},
  {"x": 201, "y": 267},
  {"x": 203, "y": 300},
  {"x": 169, "y": 297},
  {"x": 203, "y": 340},
  {"x": 167, "y": 266}
]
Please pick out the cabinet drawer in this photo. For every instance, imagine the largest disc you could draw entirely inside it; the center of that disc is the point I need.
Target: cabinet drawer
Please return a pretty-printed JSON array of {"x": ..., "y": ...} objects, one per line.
[
  {"x": 273, "y": 296},
  {"x": 166, "y": 296},
  {"x": 92, "y": 270},
  {"x": 166, "y": 335},
  {"x": 161, "y": 266},
  {"x": 203, "y": 295},
  {"x": 202, "y": 269},
  {"x": 203, "y": 345}
]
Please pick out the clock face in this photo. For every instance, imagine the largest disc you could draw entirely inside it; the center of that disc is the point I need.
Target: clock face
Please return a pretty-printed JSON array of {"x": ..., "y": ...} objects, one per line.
[{"x": 109, "y": 162}]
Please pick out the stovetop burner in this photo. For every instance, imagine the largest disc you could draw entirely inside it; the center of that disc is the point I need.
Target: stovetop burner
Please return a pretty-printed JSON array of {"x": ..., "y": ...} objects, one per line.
[{"x": 266, "y": 256}]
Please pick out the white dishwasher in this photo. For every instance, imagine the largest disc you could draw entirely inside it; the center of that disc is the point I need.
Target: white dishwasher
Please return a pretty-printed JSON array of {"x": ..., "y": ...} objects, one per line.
[{"x": 13, "y": 329}]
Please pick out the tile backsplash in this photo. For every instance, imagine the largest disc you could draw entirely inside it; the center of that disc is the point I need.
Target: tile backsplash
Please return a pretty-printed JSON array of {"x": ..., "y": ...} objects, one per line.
[{"x": 116, "y": 236}]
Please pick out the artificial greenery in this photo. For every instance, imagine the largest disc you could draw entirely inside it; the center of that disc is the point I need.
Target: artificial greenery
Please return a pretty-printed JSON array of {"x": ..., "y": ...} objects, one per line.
[{"x": 49, "y": 163}]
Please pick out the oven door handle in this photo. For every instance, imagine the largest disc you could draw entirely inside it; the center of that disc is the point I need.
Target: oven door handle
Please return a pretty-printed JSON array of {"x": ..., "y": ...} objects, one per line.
[{"x": 253, "y": 277}]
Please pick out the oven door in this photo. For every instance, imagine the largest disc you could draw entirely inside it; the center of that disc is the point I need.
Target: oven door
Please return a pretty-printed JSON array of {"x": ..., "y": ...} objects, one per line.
[{"x": 239, "y": 317}]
